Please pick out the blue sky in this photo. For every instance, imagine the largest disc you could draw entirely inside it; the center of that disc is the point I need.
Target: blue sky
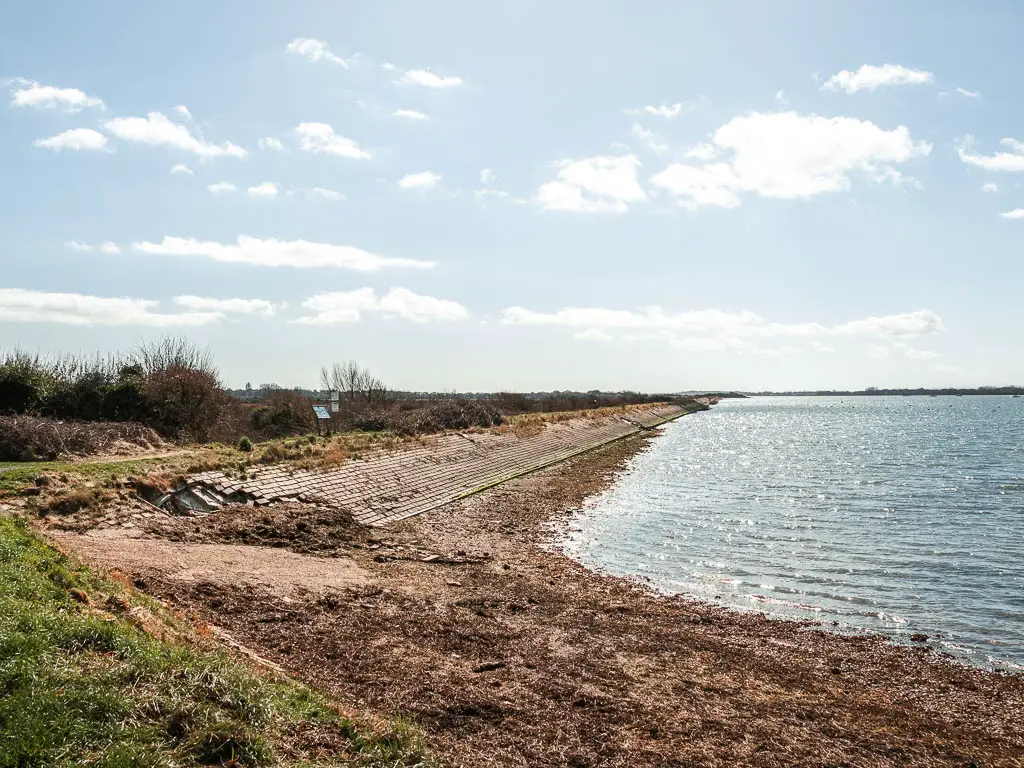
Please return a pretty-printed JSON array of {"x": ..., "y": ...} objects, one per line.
[{"x": 521, "y": 195}]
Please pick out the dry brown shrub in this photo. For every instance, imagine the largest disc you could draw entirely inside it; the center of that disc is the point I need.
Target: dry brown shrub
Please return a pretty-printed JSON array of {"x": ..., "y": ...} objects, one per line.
[
  {"x": 33, "y": 438},
  {"x": 72, "y": 501}
]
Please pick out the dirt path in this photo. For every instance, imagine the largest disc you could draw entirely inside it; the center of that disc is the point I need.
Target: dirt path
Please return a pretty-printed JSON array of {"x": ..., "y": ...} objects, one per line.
[
  {"x": 220, "y": 565},
  {"x": 131, "y": 455},
  {"x": 510, "y": 655}
]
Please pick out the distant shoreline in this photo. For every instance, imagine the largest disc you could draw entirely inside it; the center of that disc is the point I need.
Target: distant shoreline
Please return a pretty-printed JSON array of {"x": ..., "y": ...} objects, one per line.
[{"x": 872, "y": 392}]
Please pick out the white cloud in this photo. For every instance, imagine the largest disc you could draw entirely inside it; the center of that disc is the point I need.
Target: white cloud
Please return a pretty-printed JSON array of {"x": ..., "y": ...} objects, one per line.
[
  {"x": 1016, "y": 214},
  {"x": 715, "y": 184},
  {"x": 698, "y": 344},
  {"x": 487, "y": 176},
  {"x": 884, "y": 352},
  {"x": 702, "y": 151},
  {"x": 594, "y": 184},
  {"x": 320, "y": 137},
  {"x": 715, "y": 330},
  {"x": 271, "y": 144},
  {"x": 969, "y": 94},
  {"x": 483, "y": 195},
  {"x": 26, "y": 306},
  {"x": 423, "y": 180},
  {"x": 105, "y": 247},
  {"x": 772, "y": 353},
  {"x": 918, "y": 323},
  {"x": 314, "y": 50},
  {"x": 339, "y": 307},
  {"x": 156, "y": 130},
  {"x": 29, "y": 93},
  {"x": 668, "y": 111},
  {"x": 651, "y": 139},
  {"x": 181, "y": 109},
  {"x": 990, "y": 186},
  {"x": 897, "y": 179},
  {"x": 410, "y": 114},
  {"x": 403, "y": 303},
  {"x": 1012, "y": 161},
  {"x": 787, "y": 155},
  {"x": 870, "y": 78},
  {"x": 593, "y": 334},
  {"x": 325, "y": 194},
  {"x": 268, "y": 190},
  {"x": 227, "y": 306},
  {"x": 780, "y": 96},
  {"x": 428, "y": 79},
  {"x": 278, "y": 253},
  {"x": 221, "y": 187},
  {"x": 182, "y": 168},
  {"x": 387, "y": 66},
  {"x": 349, "y": 306},
  {"x": 76, "y": 139}
]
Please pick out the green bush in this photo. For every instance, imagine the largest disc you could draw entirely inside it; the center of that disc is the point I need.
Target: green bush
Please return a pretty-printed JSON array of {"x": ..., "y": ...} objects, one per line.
[
  {"x": 282, "y": 412},
  {"x": 126, "y": 400},
  {"x": 182, "y": 385},
  {"x": 23, "y": 380},
  {"x": 168, "y": 385},
  {"x": 244, "y": 444}
]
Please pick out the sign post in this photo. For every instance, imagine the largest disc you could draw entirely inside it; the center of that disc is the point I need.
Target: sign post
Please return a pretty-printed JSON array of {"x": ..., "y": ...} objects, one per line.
[{"x": 322, "y": 415}]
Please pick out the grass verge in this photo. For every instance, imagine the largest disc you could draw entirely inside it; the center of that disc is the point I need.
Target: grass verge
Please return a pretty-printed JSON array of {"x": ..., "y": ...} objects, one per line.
[{"x": 93, "y": 674}]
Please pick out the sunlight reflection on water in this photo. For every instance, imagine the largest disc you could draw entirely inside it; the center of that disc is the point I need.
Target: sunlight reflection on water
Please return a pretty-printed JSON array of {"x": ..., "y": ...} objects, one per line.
[{"x": 887, "y": 514}]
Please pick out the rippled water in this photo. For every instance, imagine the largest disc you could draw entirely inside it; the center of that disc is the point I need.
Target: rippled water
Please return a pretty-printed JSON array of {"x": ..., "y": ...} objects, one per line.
[{"x": 890, "y": 514}]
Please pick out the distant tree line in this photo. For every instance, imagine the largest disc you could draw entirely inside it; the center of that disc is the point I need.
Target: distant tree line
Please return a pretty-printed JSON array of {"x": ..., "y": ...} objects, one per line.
[
  {"x": 921, "y": 391},
  {"x": 174, "y": 387}
]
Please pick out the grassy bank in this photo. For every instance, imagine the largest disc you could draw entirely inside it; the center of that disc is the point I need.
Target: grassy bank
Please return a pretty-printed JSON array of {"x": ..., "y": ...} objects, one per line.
[
  {"x": 93, "y": 674},
  {"x": 67, "y": 487}
]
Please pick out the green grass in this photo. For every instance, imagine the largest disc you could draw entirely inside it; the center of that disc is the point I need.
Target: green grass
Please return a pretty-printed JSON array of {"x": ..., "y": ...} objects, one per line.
[
  {"x": 81, "y": 684},
  {"x": 306, "y": 451},
  {"x": 15, "y": 475}
]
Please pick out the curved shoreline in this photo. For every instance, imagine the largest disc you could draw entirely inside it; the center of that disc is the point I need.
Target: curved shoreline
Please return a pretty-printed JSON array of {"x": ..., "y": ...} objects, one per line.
[
  {"x": 509, "y": 654},
  {"x": 560, "y": 542}
]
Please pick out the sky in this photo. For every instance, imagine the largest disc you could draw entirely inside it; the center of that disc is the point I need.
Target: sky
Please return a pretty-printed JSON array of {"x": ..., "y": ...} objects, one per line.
[{"x": 521, "y": 195}]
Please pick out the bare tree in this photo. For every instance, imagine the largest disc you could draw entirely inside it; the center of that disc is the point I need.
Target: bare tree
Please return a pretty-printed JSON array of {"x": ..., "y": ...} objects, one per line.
[
  {"x": 176, "y": 353},
  {"x": 355, "y": 383}
]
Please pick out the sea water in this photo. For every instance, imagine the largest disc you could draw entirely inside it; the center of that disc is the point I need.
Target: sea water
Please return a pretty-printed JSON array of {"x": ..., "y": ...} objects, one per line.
[{"x": 897, "y": 515}]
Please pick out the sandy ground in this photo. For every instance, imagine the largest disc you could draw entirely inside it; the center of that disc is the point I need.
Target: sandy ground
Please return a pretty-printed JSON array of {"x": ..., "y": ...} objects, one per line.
[
  {"x": 512, "y": 655},
  {"x": 223, "y": 565}
]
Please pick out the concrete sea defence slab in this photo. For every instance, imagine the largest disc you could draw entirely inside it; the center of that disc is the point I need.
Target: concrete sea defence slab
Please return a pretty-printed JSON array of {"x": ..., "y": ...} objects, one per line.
[{"x": 389, "y": 486}]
